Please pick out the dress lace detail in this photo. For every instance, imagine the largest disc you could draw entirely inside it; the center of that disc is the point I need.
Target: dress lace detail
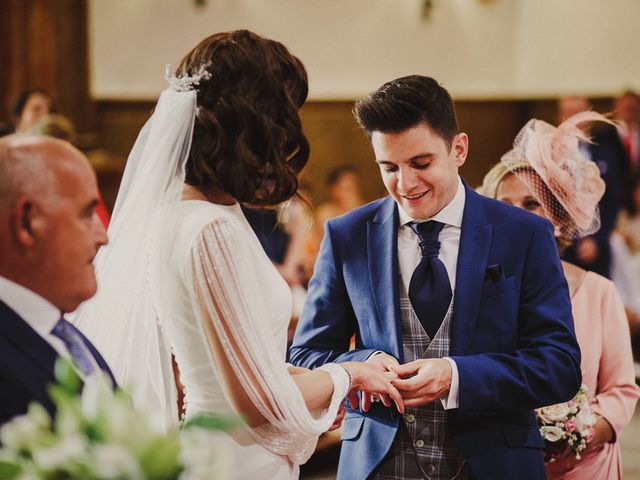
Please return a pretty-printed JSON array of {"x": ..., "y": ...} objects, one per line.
[{"x": 226, "y": 282}]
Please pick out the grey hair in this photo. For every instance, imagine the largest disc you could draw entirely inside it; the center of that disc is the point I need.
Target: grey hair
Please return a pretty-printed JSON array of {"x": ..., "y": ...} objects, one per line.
[{"x": 24, "y": 169}]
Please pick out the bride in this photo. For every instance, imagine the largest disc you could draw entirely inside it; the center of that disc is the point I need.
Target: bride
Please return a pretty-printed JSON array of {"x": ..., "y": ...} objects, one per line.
[{"x": 184, "y": 273}]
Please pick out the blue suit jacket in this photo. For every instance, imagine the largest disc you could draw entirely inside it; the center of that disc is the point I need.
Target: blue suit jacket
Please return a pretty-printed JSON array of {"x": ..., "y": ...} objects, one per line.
[
  {"x": 512, "y": 337},
  {"x": 27, "y": 366}
]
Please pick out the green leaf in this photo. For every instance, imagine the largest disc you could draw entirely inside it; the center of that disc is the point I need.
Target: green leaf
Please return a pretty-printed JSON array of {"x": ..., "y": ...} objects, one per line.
[
  {"x": 160, "y": 460},
  {"x": 214, "y": 421},
  {"x": 66, "y": 376},
  {"x": 9, "y": 470}
]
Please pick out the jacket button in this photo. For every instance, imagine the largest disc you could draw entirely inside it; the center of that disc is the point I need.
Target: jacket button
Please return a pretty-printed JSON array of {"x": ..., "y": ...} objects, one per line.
[
  {"x": 410, "y": 418},
  {"x": 419, "y": 443}
]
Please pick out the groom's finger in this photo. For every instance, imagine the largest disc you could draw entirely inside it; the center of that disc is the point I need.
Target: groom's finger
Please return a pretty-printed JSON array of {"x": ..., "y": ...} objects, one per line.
[
  {"x": 404, "y": 370},
  {"x": 408, "y": 384}
]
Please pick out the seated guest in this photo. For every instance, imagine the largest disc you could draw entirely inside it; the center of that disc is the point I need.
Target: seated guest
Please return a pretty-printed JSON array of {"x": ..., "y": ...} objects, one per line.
[
  {"x": 593, "y": 252},
  {"x": 49, "y": 235},
  {"x": 547, "y": 174},
  {"x": 343, "y": 195},
  {"x": 30, "y": 107}
]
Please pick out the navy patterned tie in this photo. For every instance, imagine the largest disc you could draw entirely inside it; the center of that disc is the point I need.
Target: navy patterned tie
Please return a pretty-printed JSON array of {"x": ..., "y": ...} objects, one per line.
[
  {"x": 429, "y": 289},
  {"x": 79, "y": 352}
]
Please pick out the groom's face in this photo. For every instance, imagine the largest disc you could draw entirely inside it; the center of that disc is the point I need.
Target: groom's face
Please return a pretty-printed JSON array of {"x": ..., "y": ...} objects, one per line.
[{"x": 418, "y": 168}]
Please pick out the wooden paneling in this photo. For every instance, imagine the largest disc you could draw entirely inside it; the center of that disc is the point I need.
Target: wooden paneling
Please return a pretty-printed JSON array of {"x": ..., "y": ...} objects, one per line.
[
  {"x": 336, "y": 139},
  {"x": 43, "y": 44}
]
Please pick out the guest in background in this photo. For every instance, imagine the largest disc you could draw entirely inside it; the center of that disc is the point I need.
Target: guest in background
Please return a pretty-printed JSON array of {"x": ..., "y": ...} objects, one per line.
[
  {"x": 627, "y": 111},
  {"x": 30, "y": 107},
  {"x": 55, "y": 125},
  {"x": 593, "y": 252},
  {"x": 629, "y": 221},
  {"x": 626, "y": 262},
  {"x": 343, "y": 190},
  {"x": 49, "y": 234},
  {"x": 284, "y": 233},
  {"x": 547, "y": 174}
]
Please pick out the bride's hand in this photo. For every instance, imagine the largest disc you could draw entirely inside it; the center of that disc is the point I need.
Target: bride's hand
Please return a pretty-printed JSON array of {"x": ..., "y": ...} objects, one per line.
[{"x": 370, "y": 379}]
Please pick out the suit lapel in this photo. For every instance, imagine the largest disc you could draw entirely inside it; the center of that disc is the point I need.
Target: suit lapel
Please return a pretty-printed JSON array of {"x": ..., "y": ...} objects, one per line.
[
  {"x": 26, "y": 340},
  {"x": 382, "y": 252},
  {"x": 475, "y": 240}
]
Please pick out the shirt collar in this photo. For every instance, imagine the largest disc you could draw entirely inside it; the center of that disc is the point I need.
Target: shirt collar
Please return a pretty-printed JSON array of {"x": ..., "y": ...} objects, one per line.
[
  {"x": 39, "y": 313},
  {"x": 451, "y": 214}
]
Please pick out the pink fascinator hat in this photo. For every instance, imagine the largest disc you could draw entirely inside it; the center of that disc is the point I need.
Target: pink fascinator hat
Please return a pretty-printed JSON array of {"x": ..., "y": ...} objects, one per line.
[{"x": 549, "y": 161}]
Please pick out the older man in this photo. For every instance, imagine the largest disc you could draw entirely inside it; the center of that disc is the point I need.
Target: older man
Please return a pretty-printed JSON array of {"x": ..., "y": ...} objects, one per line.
[{"x": 49, "y": 235}]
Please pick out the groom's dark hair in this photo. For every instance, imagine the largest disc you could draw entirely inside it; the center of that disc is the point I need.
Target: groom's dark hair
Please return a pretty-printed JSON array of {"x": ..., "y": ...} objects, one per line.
[{"x": 404, "y": 103}]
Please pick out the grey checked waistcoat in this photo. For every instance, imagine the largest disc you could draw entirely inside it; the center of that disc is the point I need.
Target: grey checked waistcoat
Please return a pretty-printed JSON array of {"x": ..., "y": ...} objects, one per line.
[{"x": 426, "y": 426}]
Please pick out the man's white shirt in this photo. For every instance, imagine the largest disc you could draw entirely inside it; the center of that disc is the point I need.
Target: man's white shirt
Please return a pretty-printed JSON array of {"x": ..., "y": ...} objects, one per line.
[
  {"x": 39, "y": 313},
  {"x": 409, "y": 256}
]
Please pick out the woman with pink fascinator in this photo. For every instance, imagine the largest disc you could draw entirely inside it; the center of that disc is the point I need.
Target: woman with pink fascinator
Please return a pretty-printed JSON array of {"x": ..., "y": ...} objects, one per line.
[{"x": 547, "y": 174}]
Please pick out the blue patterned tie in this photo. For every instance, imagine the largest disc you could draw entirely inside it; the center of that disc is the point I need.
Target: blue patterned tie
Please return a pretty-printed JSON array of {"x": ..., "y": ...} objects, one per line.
[
  {"x": 79, "y": 352},
  {"x": 429, "y": 289}
]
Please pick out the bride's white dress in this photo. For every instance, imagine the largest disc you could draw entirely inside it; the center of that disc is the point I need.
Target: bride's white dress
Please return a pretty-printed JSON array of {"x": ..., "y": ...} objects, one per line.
[
  {"x": 220, "y": 288},
  {"x": 190, "y": 277}
]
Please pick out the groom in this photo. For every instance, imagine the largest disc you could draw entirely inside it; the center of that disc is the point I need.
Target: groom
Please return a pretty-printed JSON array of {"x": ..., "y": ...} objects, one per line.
[
  {"x": 49, "y": 234},
  {"x": 462, "y": 296}
]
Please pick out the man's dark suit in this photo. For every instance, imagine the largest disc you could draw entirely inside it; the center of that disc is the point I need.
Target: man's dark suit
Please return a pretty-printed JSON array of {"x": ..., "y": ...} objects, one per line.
[
  {"x": 512, "y": 334},
  {"x": 27, "y": 365},
  {"x": 608, "y": 153}
]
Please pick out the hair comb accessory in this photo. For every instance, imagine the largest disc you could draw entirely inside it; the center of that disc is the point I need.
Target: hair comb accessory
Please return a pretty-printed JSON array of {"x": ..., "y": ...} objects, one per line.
[
  {"x": 185, "y": 83},
  {"x": 549, "y": 161}
]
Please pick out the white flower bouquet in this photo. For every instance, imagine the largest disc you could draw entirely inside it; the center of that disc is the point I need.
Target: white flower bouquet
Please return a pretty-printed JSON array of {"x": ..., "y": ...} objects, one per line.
[
  {"x": 98, "y": 435},
  {"x": 567, "y": 425}
]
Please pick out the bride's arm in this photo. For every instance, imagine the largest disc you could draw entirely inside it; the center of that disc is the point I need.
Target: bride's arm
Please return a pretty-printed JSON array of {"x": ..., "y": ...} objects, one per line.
[{"x": 243, "y": 349}]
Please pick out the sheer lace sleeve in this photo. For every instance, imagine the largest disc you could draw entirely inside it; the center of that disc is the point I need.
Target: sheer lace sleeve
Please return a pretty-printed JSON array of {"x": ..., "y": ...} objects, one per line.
[{"x": 230, "y": 310}]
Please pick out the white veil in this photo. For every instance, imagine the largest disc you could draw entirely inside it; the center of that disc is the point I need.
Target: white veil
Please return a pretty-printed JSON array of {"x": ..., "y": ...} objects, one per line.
[
  {"x": 122, "y": 320},
  {"x": 119, "y": 320}
]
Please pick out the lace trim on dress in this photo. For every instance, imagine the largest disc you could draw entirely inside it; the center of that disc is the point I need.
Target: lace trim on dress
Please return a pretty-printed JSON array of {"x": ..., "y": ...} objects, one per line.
[{"x": 232, "y": 319}]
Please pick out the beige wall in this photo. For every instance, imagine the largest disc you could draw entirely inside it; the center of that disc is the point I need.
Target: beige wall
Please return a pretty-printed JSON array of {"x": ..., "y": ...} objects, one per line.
[{"x": 477, "y": 48}]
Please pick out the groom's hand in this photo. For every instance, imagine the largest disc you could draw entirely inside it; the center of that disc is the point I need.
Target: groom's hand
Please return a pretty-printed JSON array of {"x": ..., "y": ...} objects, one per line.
[
  {"x": 423, "y": 381},
  {"x": 384, "y": 361}
]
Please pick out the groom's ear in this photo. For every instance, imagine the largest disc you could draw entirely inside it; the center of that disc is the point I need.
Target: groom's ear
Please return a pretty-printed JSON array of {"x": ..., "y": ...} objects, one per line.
[{"x": 460, "y": 148}]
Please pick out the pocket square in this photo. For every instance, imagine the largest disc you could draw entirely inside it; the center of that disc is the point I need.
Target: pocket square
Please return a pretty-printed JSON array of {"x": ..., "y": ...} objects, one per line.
[{"x": 493, "y": 274}]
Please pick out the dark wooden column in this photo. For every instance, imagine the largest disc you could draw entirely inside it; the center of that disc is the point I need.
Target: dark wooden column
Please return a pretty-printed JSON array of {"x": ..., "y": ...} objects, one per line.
[{"x": 44, "y": 44}]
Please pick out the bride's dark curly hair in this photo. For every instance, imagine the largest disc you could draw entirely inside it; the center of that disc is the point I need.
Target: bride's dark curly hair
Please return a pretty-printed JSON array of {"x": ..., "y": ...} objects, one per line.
[{"x": 247, "y": 137}]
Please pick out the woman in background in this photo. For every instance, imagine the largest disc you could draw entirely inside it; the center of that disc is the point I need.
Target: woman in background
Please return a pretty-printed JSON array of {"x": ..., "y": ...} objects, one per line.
[
  {"x": 546, "y": 174},
  {"x": 343, "y": 195}
]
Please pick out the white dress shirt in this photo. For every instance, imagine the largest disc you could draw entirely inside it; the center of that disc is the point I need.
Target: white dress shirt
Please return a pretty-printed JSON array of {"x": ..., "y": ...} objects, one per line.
[
  {"x": 409, "y": 256},
  {"x": 39, "y": 313}
]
